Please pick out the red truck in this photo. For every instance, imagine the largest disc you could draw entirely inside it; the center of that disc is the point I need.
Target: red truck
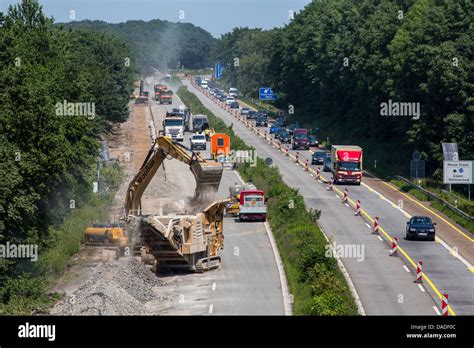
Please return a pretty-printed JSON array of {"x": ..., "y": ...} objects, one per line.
[
  {"x": 252, "y": 205},
  {"x": 346, "y": 164}
]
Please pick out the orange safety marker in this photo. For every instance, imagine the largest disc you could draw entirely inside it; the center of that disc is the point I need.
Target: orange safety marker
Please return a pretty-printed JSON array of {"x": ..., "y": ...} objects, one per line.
[
  {"x": 297, "y": 157},
  {"x": 287, "y": 150},
  {"x": 279, "y": 145},
  {"x": 376, "y": 226},
  {"x": 330, "y": 183},
  {"x": 444, "y": 305},
  {"x": 357, "y": 209},
  {"x": 318, "y": 174},
  {"x": 346, "y": 195},
  {"x": 419, "y": 273},
  {"x": 394, "y": 250},
  {"x": 306, "y": 165}
]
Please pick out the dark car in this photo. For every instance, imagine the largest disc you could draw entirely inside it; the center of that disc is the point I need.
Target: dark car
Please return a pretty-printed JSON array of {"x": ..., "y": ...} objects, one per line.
[
  {"x": 234, "y": 105},
  {"x": 222, "y": 97},
  {"x": 318, "y": 157},
  {"x": 281, "y": 121},
  {"x": 262, "y": 112},
  {"x": 313, "y": 141},
  {"x": 292, "y": 127},
  {"x": 252, "y": 115},
  {"x": 244, "y": 111},
  {"x": 284, "y": 137},
  {"x": 327, "y": 162},
  {"x": 262, "y": 122},
  {"x": 420, "y": 227}
]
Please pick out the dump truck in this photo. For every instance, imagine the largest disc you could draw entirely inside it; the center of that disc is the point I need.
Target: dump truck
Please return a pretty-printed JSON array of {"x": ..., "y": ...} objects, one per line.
[
  {"x": 178, "y": 241},
  {"x": 252, "y": 205},
  {"x": 158, "y": 89},
  {"x": 233, "y": 204},
  {"x": 173, "y": 127},
  {"x": 166, "y": 97},
  {"x": 346, "y": 164}
]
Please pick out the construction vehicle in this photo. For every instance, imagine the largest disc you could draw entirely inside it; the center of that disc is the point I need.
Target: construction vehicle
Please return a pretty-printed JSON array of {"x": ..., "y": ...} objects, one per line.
[
  {"x": 252, "y": 205},
  {"x": 173, "y": 127},
  {"x": 166, "y": 97},
  {"x": 220, "y": 146},
  {"x": 158, "y": 88},
  {"x": 187, "y": 241},
  {"x": 110, "y": 237},
  {"x": 346, "y": 164}
]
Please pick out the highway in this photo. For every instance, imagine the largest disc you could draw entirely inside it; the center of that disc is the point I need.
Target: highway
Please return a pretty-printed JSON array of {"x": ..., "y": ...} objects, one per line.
[
  {"x": 248, "y": 282},
  {"x": 385, "y": 284}
]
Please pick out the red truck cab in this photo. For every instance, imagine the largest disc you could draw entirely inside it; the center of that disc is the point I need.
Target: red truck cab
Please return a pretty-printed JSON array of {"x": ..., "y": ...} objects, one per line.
[
  {"x": 252, "y": 205},
  {"x": 346, "y": 164}
]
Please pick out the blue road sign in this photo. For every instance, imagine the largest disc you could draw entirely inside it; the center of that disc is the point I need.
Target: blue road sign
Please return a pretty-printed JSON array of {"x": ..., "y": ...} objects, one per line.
[
  {"x": 218, "y": 70},
  {"x": 266, "y": 93}
]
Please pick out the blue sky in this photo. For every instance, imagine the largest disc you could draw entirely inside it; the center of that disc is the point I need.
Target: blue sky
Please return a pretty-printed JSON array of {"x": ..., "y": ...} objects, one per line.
[{"x": 215, "y": 16}]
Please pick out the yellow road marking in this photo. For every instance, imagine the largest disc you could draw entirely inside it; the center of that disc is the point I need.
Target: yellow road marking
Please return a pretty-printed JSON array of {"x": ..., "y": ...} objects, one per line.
[{"x": 431, "y": 211}]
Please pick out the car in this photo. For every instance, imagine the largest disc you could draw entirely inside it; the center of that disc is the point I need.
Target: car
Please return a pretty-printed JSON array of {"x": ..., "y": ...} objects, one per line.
[
  {"x": 284, "y": 136},
  {"x": 244, "y": 111},
  {"x": 252, "y": 115},
  {"x": 318, "y": 157},
  {"x": 234, "y": 105},
  {"x": 421, "y": 227},
  {"x": 281, "y": 121},
  {"x": 275, "y": 129},
  {"x": 292, "y": 127},
  {"x": 233, "y": 92},
  {"x": 222, "y": 97},
  {"x": 327, "y": 163},
  {"x": 313, "y": 141},
  {"x": 229, "y": 100},
  {"x": 198, "y": 141},
  {"x": 262, "y": 122}
]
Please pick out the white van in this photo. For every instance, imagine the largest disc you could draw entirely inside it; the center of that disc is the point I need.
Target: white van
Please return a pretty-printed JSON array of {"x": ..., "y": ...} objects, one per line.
[
  {"x": 233, "y": 92},
  {"x": 229, "y": 100},
  {"x": 204, "y": 84}
]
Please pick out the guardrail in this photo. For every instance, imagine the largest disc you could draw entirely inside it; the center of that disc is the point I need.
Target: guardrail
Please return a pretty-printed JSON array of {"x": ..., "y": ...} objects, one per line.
[{"x": 434, "y": 196}]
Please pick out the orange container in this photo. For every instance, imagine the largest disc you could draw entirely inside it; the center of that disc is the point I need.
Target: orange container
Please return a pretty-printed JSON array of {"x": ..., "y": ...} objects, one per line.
[{"x": 220, "y": 144}]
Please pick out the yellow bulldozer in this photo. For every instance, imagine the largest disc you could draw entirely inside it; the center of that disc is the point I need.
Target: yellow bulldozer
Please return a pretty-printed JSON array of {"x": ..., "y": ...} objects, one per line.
[{"x": 186, "y": 241}]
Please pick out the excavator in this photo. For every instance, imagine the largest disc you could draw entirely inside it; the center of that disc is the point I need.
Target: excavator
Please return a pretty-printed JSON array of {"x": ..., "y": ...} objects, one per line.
[{"x": 178, "y": 241}]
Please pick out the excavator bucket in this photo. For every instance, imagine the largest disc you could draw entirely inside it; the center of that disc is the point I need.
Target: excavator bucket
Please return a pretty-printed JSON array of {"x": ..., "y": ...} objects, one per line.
[{"x": 208, "y": 176}]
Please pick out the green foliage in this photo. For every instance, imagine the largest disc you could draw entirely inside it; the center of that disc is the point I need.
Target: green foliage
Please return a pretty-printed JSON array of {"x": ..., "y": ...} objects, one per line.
[
  {"x": 316, "y": 282},
  {"x": 159, "y": 44},
  {"x": 426, "y": 56},
  {"x": 47, "y": 156}
]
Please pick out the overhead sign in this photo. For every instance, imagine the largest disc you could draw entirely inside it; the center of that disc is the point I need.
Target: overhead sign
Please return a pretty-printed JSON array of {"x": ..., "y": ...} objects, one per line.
[
  {"x": 218, "y": 70},
  {"x": 458, "y": 172},
  {"x": 266, "y": 93},
  {"x": 450, "y": 151}
]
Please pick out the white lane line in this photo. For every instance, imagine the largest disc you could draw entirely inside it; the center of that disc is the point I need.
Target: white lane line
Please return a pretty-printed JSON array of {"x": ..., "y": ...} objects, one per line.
[
  {"x": 421, "y": 288},
  {"x": 311, "y": 175},
  {"x": 347, "y": 205},
  {"x": 320, "y": 181},
  {"x": 436, "y": 310},
  {"x": 406, "y": 268},
  {"x": 211, "y": 308},
  {"x": 213, "y": 286},
  {"x": 368, "y": 225},
  {"x": 338, "y": 196},
  {"x": 454, "y": 253},
  {"x": 381, "y": 239}
]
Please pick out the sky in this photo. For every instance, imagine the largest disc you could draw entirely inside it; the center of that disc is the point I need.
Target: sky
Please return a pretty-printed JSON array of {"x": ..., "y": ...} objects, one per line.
[{"x": 215, "y": 16}]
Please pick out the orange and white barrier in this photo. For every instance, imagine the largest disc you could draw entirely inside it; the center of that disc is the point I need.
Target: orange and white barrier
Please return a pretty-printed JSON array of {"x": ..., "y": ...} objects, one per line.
[
  {"x": 419, "y": 272},
  {"x": 287, "y": 151},
  {"x": 318, "y": 174},
  {"x": 330, "y": 183},
  {"x": 444, "y": 305},
  {"x": 346, "y": 196},
  {"x": 357, "y": 208},
  {"x": 394, "y": 250},
  {"x": 279, "y": 145},
  {"x": 375, "y": 230},
  {"x": 297, "y": 157},
  {"x": 306, "y": 165}
]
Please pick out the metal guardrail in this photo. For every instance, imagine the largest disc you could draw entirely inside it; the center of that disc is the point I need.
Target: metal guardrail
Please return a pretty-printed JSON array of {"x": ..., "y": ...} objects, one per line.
[{"x": 434, "y": 196}]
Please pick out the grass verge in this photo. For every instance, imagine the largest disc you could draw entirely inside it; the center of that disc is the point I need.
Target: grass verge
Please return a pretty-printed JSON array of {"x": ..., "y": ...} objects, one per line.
[{"x": 316, "y": 283}]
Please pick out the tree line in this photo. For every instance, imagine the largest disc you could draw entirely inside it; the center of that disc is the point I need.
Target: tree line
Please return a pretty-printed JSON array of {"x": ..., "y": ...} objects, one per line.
[
  {"x": 392, "y": 76},
  {"x": 158, "y": 43},
  {"x": 60, "y": 88}
]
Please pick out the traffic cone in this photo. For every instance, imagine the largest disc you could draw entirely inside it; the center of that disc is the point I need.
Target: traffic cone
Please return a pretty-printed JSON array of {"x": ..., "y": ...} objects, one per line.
[
  {"x": 357, "y": 209},
  {"x": 419, "y": 273},
  {"x": 306, "y": 168},
  {"x": 444, "y": 305},
  {"x": 297, "y": 157},
  {"x": 287, "y": 150},
  {"x": 330, "y": 183},
  {"x": 318, "y": 174},
  {"x": 394, "y": 250},
  {"x": 376, "y": 226},
  {"x": 345, "y": 197}
]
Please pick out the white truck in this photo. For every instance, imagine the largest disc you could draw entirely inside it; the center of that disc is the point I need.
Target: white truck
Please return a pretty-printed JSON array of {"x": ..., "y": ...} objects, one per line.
[
  {"x": 233, "y": 92},
  {"x": 198, "y": 141},
  {"x": 173, "y": 127}
]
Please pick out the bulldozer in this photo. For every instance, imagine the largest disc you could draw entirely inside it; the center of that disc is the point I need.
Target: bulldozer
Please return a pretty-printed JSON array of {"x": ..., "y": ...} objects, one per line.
[{"x": 178, "y": 241}]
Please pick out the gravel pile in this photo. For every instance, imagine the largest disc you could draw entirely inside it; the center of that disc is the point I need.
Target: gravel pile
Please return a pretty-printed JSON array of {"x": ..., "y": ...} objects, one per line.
[{"x": 116, "y": 288}]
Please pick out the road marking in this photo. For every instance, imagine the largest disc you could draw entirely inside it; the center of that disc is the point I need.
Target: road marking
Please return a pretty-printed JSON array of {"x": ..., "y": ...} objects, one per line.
[
  {"x": 311, "y": 175},
  {"x": 211, "y": 308},
  {"x": 347, "y": 205},
  {"x": 455, "y": 254},
  {"x": 337, "y": 196},
  {"x": 436, "y": 310},
  {"x": 368, "y": 225},
  {"x": 427, "y": 209},
  {"x": 213, "y": 286},
  {"x": 406, "y": 268},
  {"x": 421, "y": 288},
  {"x": 381, "y": 239}
]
